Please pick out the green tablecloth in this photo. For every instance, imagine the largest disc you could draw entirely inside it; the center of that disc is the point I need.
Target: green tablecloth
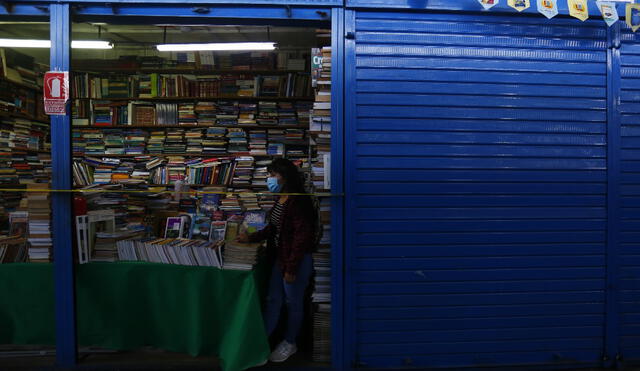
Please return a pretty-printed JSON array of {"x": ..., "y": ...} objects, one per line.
[{"x": 127, "y": 305}]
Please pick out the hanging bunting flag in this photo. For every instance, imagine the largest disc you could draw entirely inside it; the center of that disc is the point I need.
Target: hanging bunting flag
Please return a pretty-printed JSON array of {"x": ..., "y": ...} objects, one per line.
[
  {"x": 488, "y": 4},
  {"x": 519, "y": 5},
  {"x": 608, "y": 11},
  {"x": 578, "y": 9},
  {"x": 549, "y": 8},
  {"x": 633, "y": 16}
]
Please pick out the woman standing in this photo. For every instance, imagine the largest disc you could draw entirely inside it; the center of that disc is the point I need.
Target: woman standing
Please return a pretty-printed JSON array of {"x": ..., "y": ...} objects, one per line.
[{"x": 291, "y": 232}]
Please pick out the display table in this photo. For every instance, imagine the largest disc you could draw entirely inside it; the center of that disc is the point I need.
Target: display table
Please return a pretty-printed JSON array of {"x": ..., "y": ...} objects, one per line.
[{"x": 128, "y": 305}]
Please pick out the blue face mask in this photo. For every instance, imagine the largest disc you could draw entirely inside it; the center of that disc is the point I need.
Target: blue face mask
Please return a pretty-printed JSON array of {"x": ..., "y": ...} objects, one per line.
[{"x": 272, "y": 184}]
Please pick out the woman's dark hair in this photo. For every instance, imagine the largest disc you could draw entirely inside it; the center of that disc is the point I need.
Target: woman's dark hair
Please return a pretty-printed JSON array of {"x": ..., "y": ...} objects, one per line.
[{"x": 293, "y": 178}]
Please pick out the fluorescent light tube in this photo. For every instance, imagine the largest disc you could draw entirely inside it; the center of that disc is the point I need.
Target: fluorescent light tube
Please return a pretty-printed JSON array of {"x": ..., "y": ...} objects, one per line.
[
  {"x": 19, "y": 43},
  {"x": 76, "y": 44},
  {"x": 216, "y": 46},
  {"x": 92, "y": 44}
]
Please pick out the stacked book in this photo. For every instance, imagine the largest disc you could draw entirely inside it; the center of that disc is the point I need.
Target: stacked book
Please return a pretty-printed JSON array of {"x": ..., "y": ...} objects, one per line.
[
  {"x": 171, "y": 251},
  {"x": 39, "y": 209},
  {"x": 194, "y": 141},
  {"x": 241, "y": 256},
  {"x": 237, "y": 140},
  {"x": 187, "y": 114},
  {"x": 227, "y": 113},
  {"x": 322, "y": 333},
  {"x": 286, "y": 114},
  {"x": 215, "y": 141},
  {"x": 243, "y": 171},
  {"x": 258, "y": 142},
  {"x": 206, "y": 113},
  {"x": 267, "y": 113},
  {"x": 320, "y": 139},
  {"x": 247, "y": 114},
  {"x": 135, "y": 142}
]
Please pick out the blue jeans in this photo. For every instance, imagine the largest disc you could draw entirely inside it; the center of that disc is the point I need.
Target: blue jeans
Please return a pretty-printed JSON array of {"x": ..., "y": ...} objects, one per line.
[{"x": 292, "y": 294}]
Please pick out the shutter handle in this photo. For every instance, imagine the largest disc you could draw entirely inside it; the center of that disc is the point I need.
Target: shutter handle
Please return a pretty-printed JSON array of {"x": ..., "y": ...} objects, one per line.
[{"x": 350, "y": 36}]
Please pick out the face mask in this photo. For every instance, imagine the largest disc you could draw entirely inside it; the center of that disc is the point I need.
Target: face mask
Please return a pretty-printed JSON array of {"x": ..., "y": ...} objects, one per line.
[{"x": 272, "y": 184}]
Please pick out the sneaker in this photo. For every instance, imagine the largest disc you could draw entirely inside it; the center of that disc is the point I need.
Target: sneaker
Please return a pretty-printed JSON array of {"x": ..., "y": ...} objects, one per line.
[{"x": 283, "y": 352}]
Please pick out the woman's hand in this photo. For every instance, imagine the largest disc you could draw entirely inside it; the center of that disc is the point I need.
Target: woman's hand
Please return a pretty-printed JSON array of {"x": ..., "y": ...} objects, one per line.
[
  {"x": 289, "y": 278},
  {"x": 242, "y": 237}
]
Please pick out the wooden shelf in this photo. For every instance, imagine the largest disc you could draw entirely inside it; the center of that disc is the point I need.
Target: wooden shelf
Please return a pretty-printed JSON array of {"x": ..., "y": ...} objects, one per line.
[
  {"x": 22, "y": 84},
  {"x": 189, "y": 126},
  {"x": 226, "y": 155},
  {"x": 219, "y": 97},
  {"x": 16, "y": 149},
  {"x": 184, "y": 71},
  {"x": 22, "y": 116}
]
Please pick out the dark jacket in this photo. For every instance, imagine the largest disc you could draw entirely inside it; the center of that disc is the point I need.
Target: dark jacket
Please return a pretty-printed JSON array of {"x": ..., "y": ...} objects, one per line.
[{"x": 297, "y": 233}]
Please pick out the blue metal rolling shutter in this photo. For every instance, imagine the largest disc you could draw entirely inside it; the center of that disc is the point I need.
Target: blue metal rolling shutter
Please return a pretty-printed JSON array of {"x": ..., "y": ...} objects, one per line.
[
  {"x": 629, "y": 110},
  {"x": 476, "y": 168}
]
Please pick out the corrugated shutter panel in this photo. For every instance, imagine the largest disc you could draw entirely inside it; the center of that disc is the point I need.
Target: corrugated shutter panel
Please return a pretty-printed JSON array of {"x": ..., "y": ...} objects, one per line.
[
  {"x": 479, "y": 162},
  {"x": 630, "y": 195}
]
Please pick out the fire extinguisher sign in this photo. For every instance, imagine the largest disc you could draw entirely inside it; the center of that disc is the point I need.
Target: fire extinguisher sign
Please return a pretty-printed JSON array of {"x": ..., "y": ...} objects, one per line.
[{"x": 56, "y": 92}]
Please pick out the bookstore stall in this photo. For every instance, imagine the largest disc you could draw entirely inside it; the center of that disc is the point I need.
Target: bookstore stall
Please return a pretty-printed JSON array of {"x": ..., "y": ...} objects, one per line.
[{"x": 169, "y": 148}]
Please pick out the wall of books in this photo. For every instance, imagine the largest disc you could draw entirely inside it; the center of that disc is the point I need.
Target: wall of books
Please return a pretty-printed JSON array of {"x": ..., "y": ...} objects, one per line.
[
  {"x": 25, "y": 161},
  {"x": 170, "y": 156}
]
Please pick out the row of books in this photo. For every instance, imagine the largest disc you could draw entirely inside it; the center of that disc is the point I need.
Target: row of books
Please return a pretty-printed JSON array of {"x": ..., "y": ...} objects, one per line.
[
  {"x": 171, "y": 251},
  {"x": 16, "y": 133},
  {"x": 223, "y": 113},
  {"x": 243, "y": 171},
  {"x": 196, "y": 141},
  {"x": 157, "y": 85},
  {"x": 240, "y": 61}
]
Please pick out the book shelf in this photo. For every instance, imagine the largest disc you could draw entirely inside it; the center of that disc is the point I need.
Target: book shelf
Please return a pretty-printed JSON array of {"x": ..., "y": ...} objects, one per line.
[
  {"x": 187, "y": 126},
  {"x": 25, "y": 160},
  {"x": 195, "y": 99},
  {"x": 187, "y": 71}
]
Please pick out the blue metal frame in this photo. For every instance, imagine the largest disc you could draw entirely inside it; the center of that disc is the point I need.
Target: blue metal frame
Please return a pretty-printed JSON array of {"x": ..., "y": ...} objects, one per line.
[
  {"x": 227, "y": 2},
  {"x": 350, "y": 133},
  {"x": 212, "y": 12},
  {"x": 337, "y": 185},
  {"x": 464, "y": 5},
  {"x": 614, "y": 145},
  {"x": 62, "y": 216}
]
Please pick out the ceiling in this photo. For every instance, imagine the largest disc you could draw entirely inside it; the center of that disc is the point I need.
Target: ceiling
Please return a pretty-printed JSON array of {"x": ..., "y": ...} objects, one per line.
[{"x": 143, "y": 38}]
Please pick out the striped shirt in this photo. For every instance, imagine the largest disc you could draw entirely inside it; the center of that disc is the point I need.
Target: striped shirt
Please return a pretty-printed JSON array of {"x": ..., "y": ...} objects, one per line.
[{"x": 276, "y": 220}]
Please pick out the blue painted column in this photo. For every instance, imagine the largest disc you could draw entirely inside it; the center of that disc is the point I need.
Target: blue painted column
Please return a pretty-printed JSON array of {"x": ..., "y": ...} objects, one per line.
[
  {"x": 614, "y": 147},
  {"x": 62, "y": 218},
  {"x": 337, "y": 187}
]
